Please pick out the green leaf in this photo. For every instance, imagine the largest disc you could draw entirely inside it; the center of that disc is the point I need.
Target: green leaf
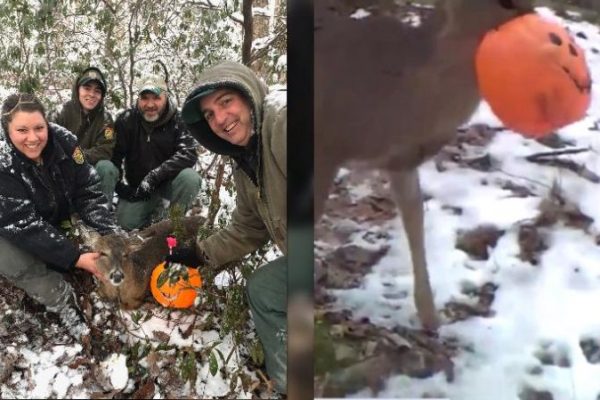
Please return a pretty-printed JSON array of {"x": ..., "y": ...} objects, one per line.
[
  {"x": 145, "y": 351},
  {"x": 162, "y": 278},
  {"x": 65, "y": 224},
  {"x": 256, "y": 353},
  {"x": 220, "y": 354},
  {"x": 134, "y": 350},
  {"x": 136, "y": 316},
  {"x": 174, "y": 277},
  {"x": 164, "y": 346},
  {"x": 188, "y": 366},
  {"x": 213, "y": 367}
]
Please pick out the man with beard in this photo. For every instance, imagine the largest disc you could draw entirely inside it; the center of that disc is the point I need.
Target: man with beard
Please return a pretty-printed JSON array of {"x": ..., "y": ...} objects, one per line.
[
  {"x": 155, "y": 153},
  {"x": 86, "y": 117}
]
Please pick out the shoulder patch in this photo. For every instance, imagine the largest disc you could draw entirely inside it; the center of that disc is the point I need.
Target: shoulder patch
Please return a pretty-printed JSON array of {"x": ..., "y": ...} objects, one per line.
[
  {"x": 78, "y": 155},
  {"x": 109, "y": 133}
]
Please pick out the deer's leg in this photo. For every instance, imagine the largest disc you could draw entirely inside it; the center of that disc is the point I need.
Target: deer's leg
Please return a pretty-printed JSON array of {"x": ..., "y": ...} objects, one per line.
[{"x": 407, "y": 194}]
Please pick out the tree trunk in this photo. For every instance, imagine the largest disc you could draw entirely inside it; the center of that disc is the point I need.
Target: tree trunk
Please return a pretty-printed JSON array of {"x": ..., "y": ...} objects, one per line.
[{"x": 248, "y": 31}]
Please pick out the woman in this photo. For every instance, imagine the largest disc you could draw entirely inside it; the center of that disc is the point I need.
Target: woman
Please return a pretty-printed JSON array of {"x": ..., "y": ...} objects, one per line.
[
  {"x": 44, "y": 178},
  {"x": 86, "y": 117}
]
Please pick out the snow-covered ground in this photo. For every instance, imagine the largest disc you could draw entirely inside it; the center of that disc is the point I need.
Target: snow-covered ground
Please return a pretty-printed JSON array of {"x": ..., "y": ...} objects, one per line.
[
  {"x": 542, "y": 339},
  {"x": 55, "y": 367}
]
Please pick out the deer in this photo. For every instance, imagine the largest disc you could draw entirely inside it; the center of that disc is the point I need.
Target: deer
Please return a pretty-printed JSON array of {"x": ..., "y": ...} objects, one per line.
[
  {"x": 128, "y": 259},
  {"x": 389, "y": 96}
]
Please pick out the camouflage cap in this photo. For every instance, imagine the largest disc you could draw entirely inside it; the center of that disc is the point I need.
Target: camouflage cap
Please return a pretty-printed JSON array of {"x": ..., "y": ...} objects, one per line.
[
  {"x": 152, "y": 83},
  {"x": 92, "y": 75}
]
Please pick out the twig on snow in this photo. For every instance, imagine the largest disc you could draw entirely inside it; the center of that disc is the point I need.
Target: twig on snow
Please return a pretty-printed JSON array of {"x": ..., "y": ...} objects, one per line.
[{"x": 550, "y": 158}]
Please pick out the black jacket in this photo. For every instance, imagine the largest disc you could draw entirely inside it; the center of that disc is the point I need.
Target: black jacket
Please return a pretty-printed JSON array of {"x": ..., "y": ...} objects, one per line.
[
  {"x": 35, "y": 199},
  {"x": 168, "y": 149}
]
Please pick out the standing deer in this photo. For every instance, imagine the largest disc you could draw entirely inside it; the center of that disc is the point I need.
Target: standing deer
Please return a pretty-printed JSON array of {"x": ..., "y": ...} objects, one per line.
[
  {"x": 127, "y": 260},
  {"x": 391, "y": 96}
]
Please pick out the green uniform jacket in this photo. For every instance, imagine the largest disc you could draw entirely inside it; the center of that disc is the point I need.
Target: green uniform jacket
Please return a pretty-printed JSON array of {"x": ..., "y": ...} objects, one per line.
[
  {"x": 260, "y": 212},
  {"x": 95, "y": 130}
]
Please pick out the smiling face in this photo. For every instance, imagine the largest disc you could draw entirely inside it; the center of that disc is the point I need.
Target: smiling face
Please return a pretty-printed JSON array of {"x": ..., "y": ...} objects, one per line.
[
  {"x": 28, "y": 131},
  {"x": 152, "y": 105},
  {"x": 90, "y": 95},
  {"x": 229, "y": 116}
]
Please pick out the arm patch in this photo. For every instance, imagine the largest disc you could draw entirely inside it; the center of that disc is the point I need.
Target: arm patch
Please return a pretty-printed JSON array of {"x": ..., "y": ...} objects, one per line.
[
  {"x": 109, "y": 133},
  {"x": 78, "y": 155}
]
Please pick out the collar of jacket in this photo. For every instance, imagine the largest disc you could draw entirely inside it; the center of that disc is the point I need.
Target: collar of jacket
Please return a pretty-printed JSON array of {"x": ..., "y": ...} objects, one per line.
[
  {"x": 74, "y": 116},
  {"x": 249, "y": 160}
]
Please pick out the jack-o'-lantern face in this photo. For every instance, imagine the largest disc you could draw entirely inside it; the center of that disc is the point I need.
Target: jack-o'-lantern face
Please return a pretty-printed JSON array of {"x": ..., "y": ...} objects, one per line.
[
  {"x": 533, "y": 75},
  {"x": 180, "y": 294}
]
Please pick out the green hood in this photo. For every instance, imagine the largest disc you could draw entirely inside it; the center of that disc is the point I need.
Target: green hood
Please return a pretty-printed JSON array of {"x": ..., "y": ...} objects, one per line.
[
  {"x": 93, "y": 130},
  {"x": 231, "y": 75},
  {"x": 72, "y": 110}
]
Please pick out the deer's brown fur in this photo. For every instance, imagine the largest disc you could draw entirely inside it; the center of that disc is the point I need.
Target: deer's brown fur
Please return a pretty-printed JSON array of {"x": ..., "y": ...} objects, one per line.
[
  {"x": 391, "y": 96},
  {"x": 134, "y": 256}
]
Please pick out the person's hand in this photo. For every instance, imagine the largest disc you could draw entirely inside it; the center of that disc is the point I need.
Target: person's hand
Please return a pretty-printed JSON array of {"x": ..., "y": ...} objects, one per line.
[
  {"x": 185, "y": 255},
  {"x": 147, "y": 186},
  {"x": 125, "y": 191},
  {"x": 87, "y": 262}
]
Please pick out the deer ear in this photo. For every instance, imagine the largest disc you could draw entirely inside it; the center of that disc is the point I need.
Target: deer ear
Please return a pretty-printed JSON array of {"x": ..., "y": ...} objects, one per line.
[
  {"x": 89, "y": 236},
  {"x": 133, "y": 247}
]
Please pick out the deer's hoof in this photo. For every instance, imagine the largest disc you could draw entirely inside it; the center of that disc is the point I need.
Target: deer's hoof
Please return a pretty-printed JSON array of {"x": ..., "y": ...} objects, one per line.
[{"x": 430, "y": 322}]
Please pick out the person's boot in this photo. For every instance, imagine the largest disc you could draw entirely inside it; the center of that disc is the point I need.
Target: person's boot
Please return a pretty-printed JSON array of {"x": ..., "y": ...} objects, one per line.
[{"x": 72, "y": 318}]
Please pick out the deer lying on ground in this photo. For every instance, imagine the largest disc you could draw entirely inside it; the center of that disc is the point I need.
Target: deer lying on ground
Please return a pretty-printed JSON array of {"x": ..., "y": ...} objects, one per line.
[
  {"x": 127, "y": 260},
  {"x": 392, "y": 96}
]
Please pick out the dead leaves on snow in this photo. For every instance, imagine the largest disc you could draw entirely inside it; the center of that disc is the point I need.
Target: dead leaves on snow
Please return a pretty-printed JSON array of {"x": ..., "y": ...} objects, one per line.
[
  {"x": 482, "y": 307},
  {"x": 478, "y": 241},
  {"x": 361, "y": 355},
  {"x": 345, "y": 267},
  {"x": 354, "y": 355}
]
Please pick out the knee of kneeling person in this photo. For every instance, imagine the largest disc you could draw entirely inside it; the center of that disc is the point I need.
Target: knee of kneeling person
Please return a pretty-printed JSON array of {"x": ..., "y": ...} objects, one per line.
[
  {"x": 187, "y": 176},
  {"x": 106, "y": 168}
]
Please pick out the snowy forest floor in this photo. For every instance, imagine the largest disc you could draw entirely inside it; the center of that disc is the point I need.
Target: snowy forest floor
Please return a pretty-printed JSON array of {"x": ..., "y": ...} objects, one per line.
[{"x": 152, "y": 352}]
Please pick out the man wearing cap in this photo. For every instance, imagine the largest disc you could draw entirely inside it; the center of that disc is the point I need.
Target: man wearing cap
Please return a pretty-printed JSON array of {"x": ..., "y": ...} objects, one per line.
[
  {"x": 85, "y": 116},
  {"x": 155, "y": 153},
  {"x": 230, "y": 113}
]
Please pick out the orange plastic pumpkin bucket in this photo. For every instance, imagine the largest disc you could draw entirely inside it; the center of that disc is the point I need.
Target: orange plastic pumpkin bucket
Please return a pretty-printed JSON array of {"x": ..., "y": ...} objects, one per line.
[
  {"x": 533, "y": 75},
  {"x": 178, "y": 295}
]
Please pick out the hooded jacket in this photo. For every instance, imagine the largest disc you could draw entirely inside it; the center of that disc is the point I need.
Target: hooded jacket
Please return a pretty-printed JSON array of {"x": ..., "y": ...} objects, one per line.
[
  {"x": 164, "y": 147},
  {"x": 94, "y": 130},
  {"x": 260, "y": 212},
  {"x": 35, "y": 199}
]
